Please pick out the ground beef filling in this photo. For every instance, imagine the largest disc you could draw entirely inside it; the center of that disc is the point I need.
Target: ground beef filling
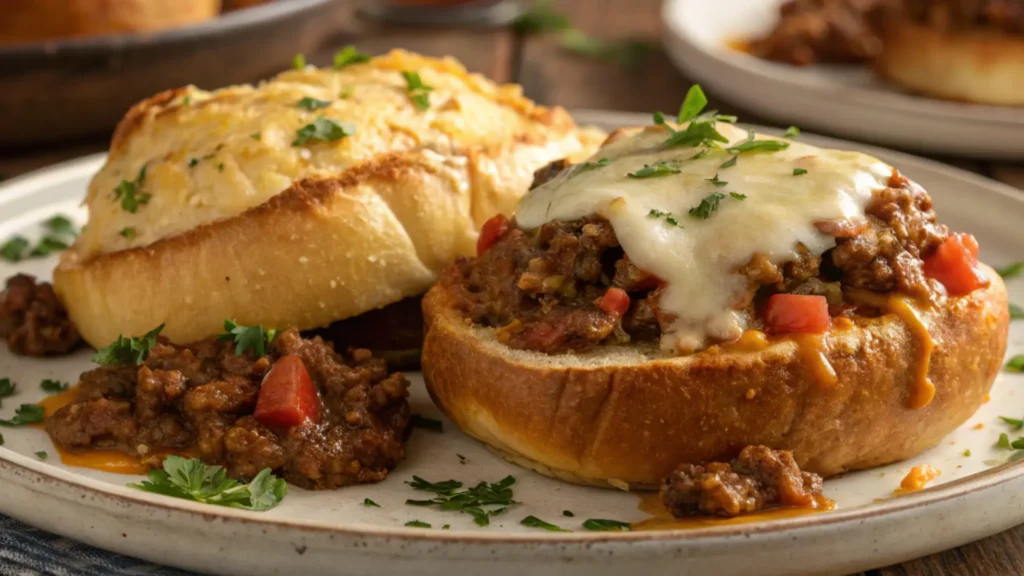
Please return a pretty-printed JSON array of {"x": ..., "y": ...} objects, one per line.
[
  {"x": 540, "y": 288},
  {"x": 32, "y": 319},
  {"x": 199, "y": 400},
  {"x": 758, "y": 478}
]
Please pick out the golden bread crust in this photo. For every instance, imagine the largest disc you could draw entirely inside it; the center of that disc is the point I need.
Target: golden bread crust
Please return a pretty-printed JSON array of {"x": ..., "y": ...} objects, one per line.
[
  {"x": 630, "y": 421},
  {"x": 984, "y": 67}
]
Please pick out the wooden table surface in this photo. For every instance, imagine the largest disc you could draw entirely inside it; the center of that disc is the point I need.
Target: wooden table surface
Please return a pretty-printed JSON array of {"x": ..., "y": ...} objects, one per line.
[{"x": 550, "y": 75}]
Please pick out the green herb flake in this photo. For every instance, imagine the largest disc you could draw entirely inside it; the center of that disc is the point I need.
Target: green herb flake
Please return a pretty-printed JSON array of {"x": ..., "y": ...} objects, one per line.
[
  {"x": 256, "y": 136},
  {"x": 427, "y": 423},
  {"x": 541, "y": 18},
  {"x": 187, "y": 100},
  {"x": 729, "y": 163},
  {"x": 1016, "y": 364},
  {"x": 481, "y": 501},
  {"x": 220, "y": 167},
  {"x": 191, "y": 479},
  {"x": 129, "y": 192},
  {"x": 716, "y": 182},
  {"x": 42, "y": 455},
  {"x": 346, "y": 93},
  {"x": 568, "y": 514},
  {"x": 1017, "y": 424},
  {"x": 668, "y": 216},
  {"x": 446, "y": 527},
  {"x": 60, "y": 225},
  {"x": 1017, "y": 444},
  {"x": 462, "y": 459},
  {"x": 759, "y": 146},
  {"x": 799, "y": 171},
  {"x": 534, "y": 522},
  {"x": 127, "y": 351},
  {"x": 1016, "y": 312},
  {"x": 53, "y": 386},
  {"x": 1, "y": 439},
  {"x": 791, "y": 132},
  {"x": 696, "y": 134},
  {"x": 1011, "y": 270},
  {"x": 657, "y": 170},
  {"x": 311, "y": 104},
  {"x": 128, "y": 232},
  {"x": 48, "y": 245},
  {"x": 419, "y": 92},
  {"x": 694, "y": 102},
  {"x": 370, "y": 503},
  {"x": 7, "y": 387},
  {"x": 588, "y": 166},
  {"x": 324, "y": 130},
  {"x": 14, "y": 250},
  {"x": 604, "y": 525},
  {"x": 299, "y": 61},
  {"x": 707, "y": 206},
  {"x": 738, "y": 196},
  {"x": 253, "y": 338},
  {"x": 701, "y": 153},
  {"x": 348, "y": 56},
  {"x": 192, "y": 163},
  {"x": 659, "y": 119},
  {"x": 417, "y": 524},
  {"x": 1003, "y": 442},
  {"x": 967, "y": 453},
  {"x": 25, "y": 414}
]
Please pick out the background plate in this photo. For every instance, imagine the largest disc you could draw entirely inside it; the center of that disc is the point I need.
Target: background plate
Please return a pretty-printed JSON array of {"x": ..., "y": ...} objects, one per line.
[
  {"x": 846, "y": 100},
  {"x": 316, "y": 533}
]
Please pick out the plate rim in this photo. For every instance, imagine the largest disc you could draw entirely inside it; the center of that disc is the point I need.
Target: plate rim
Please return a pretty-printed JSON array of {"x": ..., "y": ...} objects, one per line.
[{"x": 16, "y": 466}]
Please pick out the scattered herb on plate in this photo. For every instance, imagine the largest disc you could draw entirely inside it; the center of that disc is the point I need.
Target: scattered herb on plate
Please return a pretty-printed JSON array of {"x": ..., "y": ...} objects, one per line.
[
  {"x": 728, "y": 163},
  {"x": 126, "y": 351},
  {"x": 53, "y": 386},
  {"x": 1015, "y": 364},
  {"x": 60, "y": 225},
  {"x": 1017, "y": 424},
  {"x": 716, "y": 182},
  {"x": 42, "y": 455},
  {"x": 604, "y": 525},
  {"x": 14, "y": 249},
  {"x": 129, "y": 192},
  {"x": 738, "y": 196},
  {"x": 324, "y": 130},
  {"x": 370, "y": 503},
  {"x": 7, "y": 387},
  {"x": 479, "y": 501},
  {"x": 799, "y": 171},
  {"x": 669, "y": 218},
  {"x": 25, "y": 414},
  {"x": 1011, "y": 270},
  {"x": 311, "y": 104},
  {"x": 462, "y": 459},
  {"x": 707, "y": 206},
  {"x": 48, "y": 245},
  {"x": 791, "y": 132},
  {"x": 191, "y": 479},
  {"x": 568, "y": 513},
  {"x": 967, "y": 453},
  {"x": 534, "y": 522},
  {"x": 1016, "y": 312},
  {"x": 417, "y": 524},
  {"x": 348, "y": 56},
  {"x": 427, "y": 423},
  {"x": 253, "y": 338}
]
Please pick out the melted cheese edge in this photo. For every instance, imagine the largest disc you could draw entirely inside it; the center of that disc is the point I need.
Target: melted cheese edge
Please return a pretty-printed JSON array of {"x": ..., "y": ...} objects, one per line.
[{"x": 699, "y": 259}]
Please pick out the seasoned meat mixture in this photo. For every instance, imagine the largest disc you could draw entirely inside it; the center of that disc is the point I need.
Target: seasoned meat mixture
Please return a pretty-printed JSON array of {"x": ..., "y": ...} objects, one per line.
[
  {"x": 758, "y": 478},
  {"x": 544, "y": 289},
  {"x": 32, "y": 319},
  {"x": 957, "y": 15},
  {"x": 812, "y": 31},
  {"x": 200, "y": 400}
]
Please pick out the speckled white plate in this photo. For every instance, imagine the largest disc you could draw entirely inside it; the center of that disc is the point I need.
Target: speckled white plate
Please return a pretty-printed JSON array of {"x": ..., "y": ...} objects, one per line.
[
  {"x": 846, "y": 100},
  {"x": 332, "y": 532}
]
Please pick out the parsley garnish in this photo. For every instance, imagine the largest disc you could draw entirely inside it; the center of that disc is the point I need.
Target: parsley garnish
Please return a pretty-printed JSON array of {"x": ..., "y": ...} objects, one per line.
[
  {"x": 568, "y": 513},
  {"x": 248, "y": 338},
  {"x": 729, "y": 163},
  {"x": 603, "y": 525},
  {"x": 7, "y": 387},
  {"x": 60, "y": 225},
  {"x": 308, "y": 103},
  {"x": 193, "y": 162},
  {"x": 41, "y": 455},
  {"x": 534, "y": 522},
  {"x": 967, "y": 453},
  {"x": 127, "y": 351},
  {"x": 370, "y": 503},
  {"x": 693, "y": 104},
  {"x": 1016, "y": 423},
  {"x": 220, "y": 167},
  {"x": 462, "y": 459},
  {"x": 427, "y": 423},
  {"x": 348, "y": 56},
  {"x": 25, "y": 414},
  {"x": 345, "y": 93},
  {"x": 759, "y": 146},
  {"x": 696, "y": 134},
  {"x": 418, "y": 91},
  {"x": 701, "y": 153},
  {"x": 666, "y": 215},
  {"x": 799, "y": 171},
  {"x": 53, "y": 386},
  {"x": 417, "y": 524},
  {"x": 324, "y": 130},
  {"x": 192, "y": 480},
  {"x": 14, "y": 249},
  {"x": 1011, "y": 270},
  {"x": 255, "y": 135},
  {"x": 587, "y": 166},
  {"x": 128, "y": 232},
  {"x": 299, "y": 61},
  {"x": 656, "y": 170},
  {"x": 791, "y": 132},
  {"x": 1003, "y": 442},
  {"x": 541, "y": 18},
  {"x": 1, "y": 439},
  {"x": 474, "y": 501},
  {"x": 128, "y": 192},
  {"x": 187, "y": 100},
  {"x": 1016, "y": 364},
  {"x": 738, "y": 196},
  {"x": 1016, "y": 312},
  {"x": 47, "y": 245},
  {"x": 716, "y": 182},
  {"x": 707, "y": 206}
]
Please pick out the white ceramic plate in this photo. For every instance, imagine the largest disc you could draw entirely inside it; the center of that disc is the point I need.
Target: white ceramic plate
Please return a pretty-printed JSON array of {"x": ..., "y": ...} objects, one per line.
[
  {"x": 328, "y": 532},
  {"x": 846, "y": 100}
]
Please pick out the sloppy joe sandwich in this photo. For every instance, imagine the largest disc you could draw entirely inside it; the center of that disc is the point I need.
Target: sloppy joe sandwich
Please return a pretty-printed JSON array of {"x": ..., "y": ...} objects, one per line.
[
  {"x": 313, "y": 197},
  {"x": 694, "y": 288}
]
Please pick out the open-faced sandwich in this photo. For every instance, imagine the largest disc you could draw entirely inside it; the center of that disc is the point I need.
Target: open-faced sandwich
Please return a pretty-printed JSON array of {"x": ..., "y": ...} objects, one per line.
[{"x": 693, "y": 289}]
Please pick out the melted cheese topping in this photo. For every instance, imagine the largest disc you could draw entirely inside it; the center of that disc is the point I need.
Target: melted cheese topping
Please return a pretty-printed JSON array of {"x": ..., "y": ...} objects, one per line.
[{"x": 698, "y": 259}]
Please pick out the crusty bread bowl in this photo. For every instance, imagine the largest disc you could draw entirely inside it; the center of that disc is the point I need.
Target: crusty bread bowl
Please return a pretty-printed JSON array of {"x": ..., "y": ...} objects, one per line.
[
  {"x": 233, "y": 219},
  {"x": 980, "y": 65},
  {"x": 25, "y": 21}
]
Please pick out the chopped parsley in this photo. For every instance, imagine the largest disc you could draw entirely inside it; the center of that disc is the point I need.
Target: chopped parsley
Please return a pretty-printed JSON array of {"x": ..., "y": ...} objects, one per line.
[
  {"x": 427, "y": 423},
  {"x": 1003, "y": 442},
  {"x": 568, "y": 513},
  {"x": 729, "y": 163},
  {"x": 462, "y": 459},
  {"x": 128, "y": 232},
  {"x": 701, "y": 153},
  {"x": 707, "y": 206},
  {"x": 657, "y": 170},
  {"x": 693, "y": 104},
  {"x": 348, "y": 56},
  {"x": 14, "y": 249},
  {"x": 345, "y": 93},
  {"x": 791, "y": 132},
  {"x": 25, "y": 414},
  {"x": 7, "y": 387},
  {"x": 53, "y": 386},
  {"x": 1011, "y": 270},
  {"x": 256, "y": 135},
  {"x": 308, "y": 103},
  {"x": 419, "y": 92},
  {"x": 759, "y": 146},
  {"x": 481, "y": 501},
  {"x": 370, "y": 503},
  {"x": 129, "y": 192},
  {"x": 588, "y": 166},
  {"x": 604, "y": 525},
  {"x": 324, "y": 130},
  {"x": 1, "y": 439},
  {"x": 1016, "y": 364},
  {"x": 192, "y": 163},
  {"x": 187, "y": 100},
  {"x": 47, "y": 245},
  {"x": 417, "y": 524},
  {"x": 534, "y": 522},
  {"x": 253, "y": 338},
  {"x": 716, "y": 182},
  {"x": 42, "y": 455},
  {"x": 1017, "y": 424},
  {"x": 60, "y": 225},
  {"x": 299, "y": 61},
  {"x": 967, "y": 453},
  {"x": 191, "y": 479},
  {"x": 666, "y": 215},
  {"x": 127, "y": 351},
  {"x": 540, "y": 18},
  {"x": 1016, "y": 312},
  {"x": 220, "y": 167},
  {"x": 738, "y": 196},
  {"x": 799, "y": 171}
]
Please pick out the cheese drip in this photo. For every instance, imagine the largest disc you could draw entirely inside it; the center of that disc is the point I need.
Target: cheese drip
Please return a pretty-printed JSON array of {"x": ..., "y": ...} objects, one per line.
[{"x": 765, "y": 207}]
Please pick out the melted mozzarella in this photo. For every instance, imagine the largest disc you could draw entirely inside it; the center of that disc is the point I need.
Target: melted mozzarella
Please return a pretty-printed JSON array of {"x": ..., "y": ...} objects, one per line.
[{"x": 699, "y": 259}]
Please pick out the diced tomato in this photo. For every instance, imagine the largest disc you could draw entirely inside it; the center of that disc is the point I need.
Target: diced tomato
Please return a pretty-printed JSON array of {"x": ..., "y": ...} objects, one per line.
[
  {"x": 797, "y": 313},
  {"x": 614, "y": 302},
  {"x": 288, "y": 396},
  {"x": 955, "y": 265},
  {"x": 491, "y": 232}
]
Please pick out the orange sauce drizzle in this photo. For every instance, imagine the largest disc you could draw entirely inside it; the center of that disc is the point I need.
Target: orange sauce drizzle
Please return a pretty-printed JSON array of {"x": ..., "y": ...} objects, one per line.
[
  {"x": 662, "y": 519},
  {"x": 739, "y": 45},
  {"x": 917, "y": 478},
  {"x": 813, "y": 351}
]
